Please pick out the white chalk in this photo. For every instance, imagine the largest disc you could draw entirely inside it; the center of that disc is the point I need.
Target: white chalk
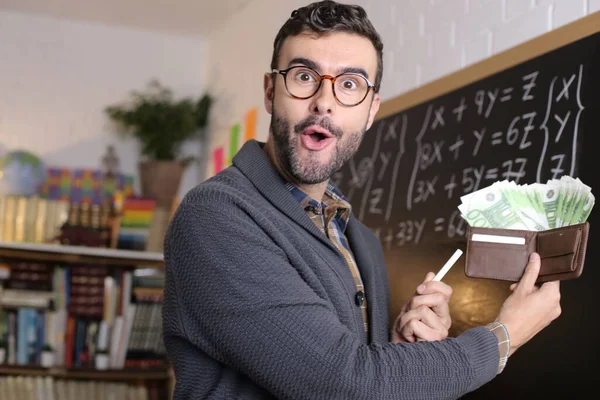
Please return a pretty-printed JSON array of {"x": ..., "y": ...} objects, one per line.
[{"x": 448, "y": 265}]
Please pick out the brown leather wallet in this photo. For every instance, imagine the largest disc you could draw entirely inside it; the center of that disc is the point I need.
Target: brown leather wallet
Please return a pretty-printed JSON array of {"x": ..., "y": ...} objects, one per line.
[{"x": 504, "y": 253}]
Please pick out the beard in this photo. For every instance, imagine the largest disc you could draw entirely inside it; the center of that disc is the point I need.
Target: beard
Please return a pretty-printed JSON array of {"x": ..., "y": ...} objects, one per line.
[{"x": 311, "y": 170}]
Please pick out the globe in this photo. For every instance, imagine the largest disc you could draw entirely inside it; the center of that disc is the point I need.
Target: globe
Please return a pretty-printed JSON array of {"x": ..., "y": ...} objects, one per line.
[{"x": 22, "y": 173}]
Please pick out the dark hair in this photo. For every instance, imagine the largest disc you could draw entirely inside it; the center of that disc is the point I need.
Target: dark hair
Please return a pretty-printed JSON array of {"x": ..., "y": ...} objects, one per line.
[{"x": 328, "y": 16}]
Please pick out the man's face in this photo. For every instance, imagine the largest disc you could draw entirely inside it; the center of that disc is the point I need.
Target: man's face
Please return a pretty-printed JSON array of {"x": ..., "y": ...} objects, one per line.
[{"x": 314, "y": 137}]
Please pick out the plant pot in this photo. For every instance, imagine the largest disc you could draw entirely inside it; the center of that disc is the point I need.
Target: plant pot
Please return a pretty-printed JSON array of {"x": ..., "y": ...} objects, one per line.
[
  {"x": 47, "y": 359},
  {"x": 102, "y": 361},
  {"x": 160, "y": 180}
]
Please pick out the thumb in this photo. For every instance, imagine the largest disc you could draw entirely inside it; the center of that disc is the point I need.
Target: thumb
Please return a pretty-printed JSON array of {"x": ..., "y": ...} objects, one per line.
[
  {"x": 531, "y": 273},
  {"x": 429, "y": 277}
]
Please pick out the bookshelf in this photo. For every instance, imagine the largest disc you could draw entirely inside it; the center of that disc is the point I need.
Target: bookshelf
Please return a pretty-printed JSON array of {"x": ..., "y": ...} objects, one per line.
[
  {"x": 80, "y": 254},
  {"x": 115, "y": 262},
  {"x": 126, "y": 374}
]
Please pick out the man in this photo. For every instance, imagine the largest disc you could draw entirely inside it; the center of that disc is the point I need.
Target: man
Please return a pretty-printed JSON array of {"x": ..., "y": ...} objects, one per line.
[{"x": 275, "y": 290}]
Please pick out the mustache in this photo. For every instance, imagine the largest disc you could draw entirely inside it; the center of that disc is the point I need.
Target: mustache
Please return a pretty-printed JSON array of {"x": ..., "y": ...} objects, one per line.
[{"x": 324, "y": 123}]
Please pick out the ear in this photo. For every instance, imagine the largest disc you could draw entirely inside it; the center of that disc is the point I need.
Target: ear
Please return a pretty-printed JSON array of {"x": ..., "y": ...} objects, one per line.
[
  {"x": 268, "y": 88},
  {"x": 374, "y": 108}
]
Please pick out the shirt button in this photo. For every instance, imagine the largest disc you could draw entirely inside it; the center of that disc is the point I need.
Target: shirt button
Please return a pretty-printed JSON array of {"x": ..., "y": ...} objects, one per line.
[{"x": 359, "y": 298}]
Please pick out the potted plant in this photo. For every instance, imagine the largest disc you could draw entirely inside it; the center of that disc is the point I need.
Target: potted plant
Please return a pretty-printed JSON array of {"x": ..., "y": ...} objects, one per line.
[
  {"x": 161, "y": 124},
  {"x": 47, "y": 358},
  {"x": 102, "y": 359},
  {"x": 2, "y": 351}
]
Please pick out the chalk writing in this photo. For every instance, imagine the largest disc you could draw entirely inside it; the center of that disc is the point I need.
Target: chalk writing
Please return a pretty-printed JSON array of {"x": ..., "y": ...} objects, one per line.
[{"x": 407, "y": 178}]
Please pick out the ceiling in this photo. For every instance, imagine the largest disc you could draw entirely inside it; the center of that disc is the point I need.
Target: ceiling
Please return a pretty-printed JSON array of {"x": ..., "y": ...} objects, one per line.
[{"x": 186, "y": 17}]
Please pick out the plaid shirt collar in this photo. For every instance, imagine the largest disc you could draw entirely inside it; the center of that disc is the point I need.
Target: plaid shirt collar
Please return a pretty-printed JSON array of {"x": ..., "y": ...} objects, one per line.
[{"x": 332, "y": 198}]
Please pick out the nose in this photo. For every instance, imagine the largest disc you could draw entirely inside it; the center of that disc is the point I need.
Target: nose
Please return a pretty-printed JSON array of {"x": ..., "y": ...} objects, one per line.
[{"x": 323, "y": 102}]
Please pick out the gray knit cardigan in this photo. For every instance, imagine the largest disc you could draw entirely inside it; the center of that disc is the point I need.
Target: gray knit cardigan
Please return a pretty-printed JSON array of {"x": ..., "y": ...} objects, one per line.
[{"x": 259, "y": 304}]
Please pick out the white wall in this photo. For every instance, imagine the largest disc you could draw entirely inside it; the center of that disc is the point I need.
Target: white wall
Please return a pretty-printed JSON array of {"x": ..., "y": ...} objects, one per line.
[
  {"x": 56, "y": 77},
  {"x": 423, "y": 40}
]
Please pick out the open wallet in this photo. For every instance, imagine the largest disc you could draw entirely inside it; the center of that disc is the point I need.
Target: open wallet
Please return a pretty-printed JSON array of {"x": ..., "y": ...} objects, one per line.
[{"x": 503, "y": 254}]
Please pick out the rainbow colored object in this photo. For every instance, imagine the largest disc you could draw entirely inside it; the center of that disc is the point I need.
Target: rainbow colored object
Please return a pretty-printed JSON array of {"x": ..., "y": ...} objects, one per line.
[
  {"x": 137, "y": 212},
  {"x": 136, "y": 219},
  {"x": 83, "y": 185}
]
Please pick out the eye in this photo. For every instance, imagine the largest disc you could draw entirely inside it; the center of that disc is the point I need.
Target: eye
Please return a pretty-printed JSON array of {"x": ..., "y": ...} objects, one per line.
[
  {"x": 349, "y": 83},
  {"x": 304, "y": 76}
]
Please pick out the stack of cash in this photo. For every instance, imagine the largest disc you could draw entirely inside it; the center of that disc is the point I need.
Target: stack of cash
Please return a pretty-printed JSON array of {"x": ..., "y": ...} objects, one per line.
[{"x": 534, "y": 207}]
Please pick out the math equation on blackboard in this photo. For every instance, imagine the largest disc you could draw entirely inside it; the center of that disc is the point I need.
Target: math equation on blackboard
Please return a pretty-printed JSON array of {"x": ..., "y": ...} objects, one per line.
[{"x": 523, "y": 125}]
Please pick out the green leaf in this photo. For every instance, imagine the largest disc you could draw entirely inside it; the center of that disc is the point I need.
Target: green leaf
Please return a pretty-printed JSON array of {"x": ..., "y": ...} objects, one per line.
[{"x": 160, "y": 123}]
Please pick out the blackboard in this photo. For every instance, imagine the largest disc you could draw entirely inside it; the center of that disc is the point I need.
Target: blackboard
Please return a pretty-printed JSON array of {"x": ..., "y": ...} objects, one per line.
[{"x": 526, "y": 115}]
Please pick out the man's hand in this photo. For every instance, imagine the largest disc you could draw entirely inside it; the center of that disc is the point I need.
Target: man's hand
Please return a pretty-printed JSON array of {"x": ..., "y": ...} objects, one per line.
[
  {"x": 529, "y": 308},
  {"x": 426, "y": 316}
]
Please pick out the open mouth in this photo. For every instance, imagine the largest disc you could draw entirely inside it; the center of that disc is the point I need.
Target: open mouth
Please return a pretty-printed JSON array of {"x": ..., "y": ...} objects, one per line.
[{"x": 318, "y": 136}]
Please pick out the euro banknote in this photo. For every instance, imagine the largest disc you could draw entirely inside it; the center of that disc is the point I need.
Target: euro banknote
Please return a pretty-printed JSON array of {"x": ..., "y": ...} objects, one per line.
[{"x": 537, "y": 206}]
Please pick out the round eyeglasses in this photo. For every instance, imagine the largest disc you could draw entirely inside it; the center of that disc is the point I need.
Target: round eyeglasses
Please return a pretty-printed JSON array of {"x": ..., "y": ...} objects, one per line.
[{"x": 349, "y": 89}]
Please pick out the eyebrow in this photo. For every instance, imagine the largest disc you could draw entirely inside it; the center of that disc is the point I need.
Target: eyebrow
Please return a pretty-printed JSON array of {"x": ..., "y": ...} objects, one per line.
[
  {"x": 356, "y": 70},
  {"x": 311, "y": 64}
]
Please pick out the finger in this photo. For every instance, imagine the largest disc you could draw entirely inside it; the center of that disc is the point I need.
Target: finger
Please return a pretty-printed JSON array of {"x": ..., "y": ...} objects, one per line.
[
  {"x": 435, "y": 287},
  {"x": 402, "y": 333},
  {"x": 436, "y": 303},
  {"x": 443, "y": 313},
  {"x": 513, "y": 286},
  {"x": 531, "y": 273},
  {"x": 419, "y": 331},
  {"x": 432, "y": 319},
  {"x": 433, "y": 300},
  {"x": 408, "y": 331},
  {"x": 397, "y": 321},
  {"x": 397, "y": 338},
  {"x": 405, "y": 318},
  {"x": 425, "y": 315},
  {"x": 429, "y": 277},
  {"x": 551, "y": 285}
]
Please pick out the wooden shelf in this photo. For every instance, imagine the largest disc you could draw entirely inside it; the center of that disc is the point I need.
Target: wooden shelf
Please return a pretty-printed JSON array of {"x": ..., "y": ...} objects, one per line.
[
  {"x": 80, "y": 254},
  {"x": 127, "y": 374}
]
